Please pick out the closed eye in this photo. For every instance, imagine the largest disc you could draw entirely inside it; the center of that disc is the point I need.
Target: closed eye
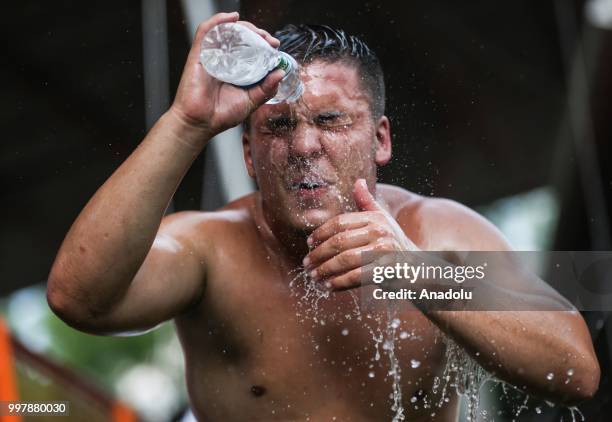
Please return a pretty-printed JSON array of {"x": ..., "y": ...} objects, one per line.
[
  {"x": 332, "y": 119},
  {"x": 280, "y": 124}
]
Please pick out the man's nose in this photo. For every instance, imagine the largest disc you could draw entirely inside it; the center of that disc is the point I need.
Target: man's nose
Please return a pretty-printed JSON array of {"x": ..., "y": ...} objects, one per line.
[{"x": 306, "y": 140}]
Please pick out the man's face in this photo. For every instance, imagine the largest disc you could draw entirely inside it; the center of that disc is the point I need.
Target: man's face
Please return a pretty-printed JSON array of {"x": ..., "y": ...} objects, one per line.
[{"x": 306, "y": 156}]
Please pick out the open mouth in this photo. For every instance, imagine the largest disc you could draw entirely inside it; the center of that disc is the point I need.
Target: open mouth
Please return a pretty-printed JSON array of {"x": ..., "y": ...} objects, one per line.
[
  {"x": 309, "y": 189},
  {"x": 308, "y": 185}
]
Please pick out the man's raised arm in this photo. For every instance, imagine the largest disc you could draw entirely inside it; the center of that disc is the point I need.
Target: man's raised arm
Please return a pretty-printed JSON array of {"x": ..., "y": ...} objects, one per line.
[{"x": 117, "y": 269}]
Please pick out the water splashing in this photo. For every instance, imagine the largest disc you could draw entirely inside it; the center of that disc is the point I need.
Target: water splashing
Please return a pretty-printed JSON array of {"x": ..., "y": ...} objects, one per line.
[
  {"x": 395, "y": 370},
  {"x": 464, "y": 374},
  {"x": 461, "y": 375},
  {"x": 310, "y": 294}
]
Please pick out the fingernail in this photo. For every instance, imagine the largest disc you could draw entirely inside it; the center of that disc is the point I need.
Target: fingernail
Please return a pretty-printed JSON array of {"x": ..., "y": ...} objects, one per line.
[
  {"x": 306, "y": 261},
  {"x": 309, "y": 241},
  {"x": 328, "y": 285},
  {"x": 314, "y": 274}
]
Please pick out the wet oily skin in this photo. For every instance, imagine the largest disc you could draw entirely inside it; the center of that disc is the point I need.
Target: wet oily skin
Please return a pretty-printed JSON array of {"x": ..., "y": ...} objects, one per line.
[
  {"x": 250, "y": 341},
  {"x": 252, "y": 348},
  {"x": 327, "y": 139},
  {"x": 256, "y": 346}
]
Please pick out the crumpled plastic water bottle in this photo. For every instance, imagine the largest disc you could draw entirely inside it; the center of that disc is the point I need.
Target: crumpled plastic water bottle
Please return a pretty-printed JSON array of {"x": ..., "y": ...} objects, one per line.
[{"x": 233, "y": 53}]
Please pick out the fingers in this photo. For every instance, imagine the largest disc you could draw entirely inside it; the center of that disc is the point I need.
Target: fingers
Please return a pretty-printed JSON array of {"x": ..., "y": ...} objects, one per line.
[
  {"x": 338, "y": 243},
  {"x": 341, "y": 263},
  {"x": 349, "y": 280},
  {"x": 338, "y": 224},
  {"x": 354, "y": 278},
  {"x": 274, "y": 42},
  {"x": 354, "y": 258},
  {"x": 363, "y": 198},
  {"x": 262, "y": 92}
]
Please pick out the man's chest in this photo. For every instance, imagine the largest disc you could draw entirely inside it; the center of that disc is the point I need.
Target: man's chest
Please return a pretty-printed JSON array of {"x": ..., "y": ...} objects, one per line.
[{"x": 290, "y": 331}]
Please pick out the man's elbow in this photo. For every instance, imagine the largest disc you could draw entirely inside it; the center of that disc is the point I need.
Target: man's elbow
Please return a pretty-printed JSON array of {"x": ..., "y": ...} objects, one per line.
[
  {"x": 74, "y": 311},
  {"x": 590, "y": 381},
  {"x": 64, "y": 307},
  {"x": 583, "y": 384}
]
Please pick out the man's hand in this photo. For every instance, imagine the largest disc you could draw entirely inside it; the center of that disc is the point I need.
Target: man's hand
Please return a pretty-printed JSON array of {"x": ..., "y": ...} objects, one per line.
[
  {"x": 338, "y": 246},
  {"x": 208, "y": 104}
]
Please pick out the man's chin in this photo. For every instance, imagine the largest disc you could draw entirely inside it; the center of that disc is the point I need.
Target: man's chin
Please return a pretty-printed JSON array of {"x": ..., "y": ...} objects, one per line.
[{"x": 309, "y": 220}]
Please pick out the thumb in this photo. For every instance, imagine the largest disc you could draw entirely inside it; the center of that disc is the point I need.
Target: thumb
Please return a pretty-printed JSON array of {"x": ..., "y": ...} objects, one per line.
[
  {"x": 363, "y": 198},
  {"x": 265, "y": 90}
]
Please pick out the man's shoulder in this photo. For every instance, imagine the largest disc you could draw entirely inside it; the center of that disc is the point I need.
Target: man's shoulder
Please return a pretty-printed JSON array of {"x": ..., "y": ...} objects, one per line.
[
  {"x": 442, "y": 223},
  {"x": 234, "y": 216},
  {"x": 403, "y": 203}
]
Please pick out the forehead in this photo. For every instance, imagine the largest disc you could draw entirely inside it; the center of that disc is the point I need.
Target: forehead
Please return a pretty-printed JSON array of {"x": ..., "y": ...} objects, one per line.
[{"x": 326, "y": 86}]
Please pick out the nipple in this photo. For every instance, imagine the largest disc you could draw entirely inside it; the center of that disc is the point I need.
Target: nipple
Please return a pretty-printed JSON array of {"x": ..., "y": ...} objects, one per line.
[{"x": 258, "y": 390}]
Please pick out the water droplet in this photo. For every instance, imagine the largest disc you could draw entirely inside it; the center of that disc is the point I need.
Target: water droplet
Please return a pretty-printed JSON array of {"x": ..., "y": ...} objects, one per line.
[
  {"x": 388, "y": 345},
  {"x": 415, "y": 363},
  {"x": 550, "y": 376},
  {"x": 538, "y": 410},
  {"x": 413, "y": 399},
  {"x": 404, "y": 335},
  {"x": 345, "y": 331},
  {"x": 570, "y": 372},
  {"x": 371, "y": 374},
  {"x": 395, "y": 323}
]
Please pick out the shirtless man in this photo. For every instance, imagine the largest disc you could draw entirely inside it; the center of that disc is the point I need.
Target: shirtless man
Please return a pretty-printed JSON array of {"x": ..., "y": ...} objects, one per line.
[{"x": 224, "y": 276}]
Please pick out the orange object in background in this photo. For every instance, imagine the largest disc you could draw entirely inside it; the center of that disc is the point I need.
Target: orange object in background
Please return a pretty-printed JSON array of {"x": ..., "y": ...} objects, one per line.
[
  {"x": 26, "y": 376},
  {"x": 8, "y": 385}
]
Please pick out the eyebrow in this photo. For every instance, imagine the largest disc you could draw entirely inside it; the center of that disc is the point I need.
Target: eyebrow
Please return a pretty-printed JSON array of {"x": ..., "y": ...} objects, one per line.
[
  {"x": 279, "y": 118},
  {"x": 326, "y": 115},
  {"x": 332, "y": 114}
]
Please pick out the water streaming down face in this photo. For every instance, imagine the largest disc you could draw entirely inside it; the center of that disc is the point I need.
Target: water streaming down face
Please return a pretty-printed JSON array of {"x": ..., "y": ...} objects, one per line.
[{"x": 308, "y": 155}]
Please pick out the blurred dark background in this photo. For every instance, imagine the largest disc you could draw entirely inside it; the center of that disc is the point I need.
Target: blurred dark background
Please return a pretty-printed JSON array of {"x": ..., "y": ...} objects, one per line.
[{"x": 487, "y": 100}]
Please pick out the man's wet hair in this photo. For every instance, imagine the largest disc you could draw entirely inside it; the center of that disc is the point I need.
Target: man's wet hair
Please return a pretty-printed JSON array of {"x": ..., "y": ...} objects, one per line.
[{"x": 307, "y": 43}]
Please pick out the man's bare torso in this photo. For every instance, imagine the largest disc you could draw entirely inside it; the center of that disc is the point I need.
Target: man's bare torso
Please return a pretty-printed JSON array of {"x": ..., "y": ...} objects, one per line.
[{"x": 256, "y": 349}]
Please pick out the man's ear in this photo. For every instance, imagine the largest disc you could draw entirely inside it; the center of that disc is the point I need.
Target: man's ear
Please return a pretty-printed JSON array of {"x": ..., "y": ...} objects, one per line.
[
  {"x": 383, "y": 141},
  {"x": 246, "y": 150}
]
